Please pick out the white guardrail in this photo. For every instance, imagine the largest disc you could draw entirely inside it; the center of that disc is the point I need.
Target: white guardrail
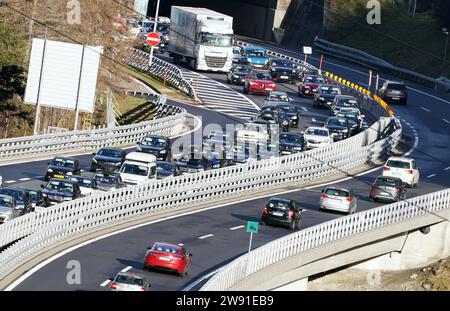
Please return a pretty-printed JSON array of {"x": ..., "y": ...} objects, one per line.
[
  {"x": 170, "y": 120},
  {"x": 327, "y": 233}
]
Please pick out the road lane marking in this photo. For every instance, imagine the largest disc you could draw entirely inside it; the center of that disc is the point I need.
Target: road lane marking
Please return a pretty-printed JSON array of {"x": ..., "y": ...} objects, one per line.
[
  {"x": 105, "y": 283},
  {"x": 446, "y": 121},
  {"x": 25, "y": 179},
  {"x": 425, "y": 109},
  {"x": 314, "y": 120},
  {"x": 238, "y": 227},
  {"x": 447, "y": 168},
  {"x": 126, "y": 269},
  {"x": 432, "y": 175},
  {"x": 38, "y": 177},
  {"x": 304, "y": 109},
  {"x": 206, "y": 236},
  {"x": 10, "y": 181}
]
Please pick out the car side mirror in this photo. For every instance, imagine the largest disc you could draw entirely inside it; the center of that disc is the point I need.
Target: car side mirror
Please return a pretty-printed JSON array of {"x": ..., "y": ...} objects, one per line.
[
  {"x": 148, "y": 248},
  {"x": 42, "y": 186},
  {"x": 111, "y": 279},
  {"x": 323, "y": 190},
  {"x": 190, "y": 255}
]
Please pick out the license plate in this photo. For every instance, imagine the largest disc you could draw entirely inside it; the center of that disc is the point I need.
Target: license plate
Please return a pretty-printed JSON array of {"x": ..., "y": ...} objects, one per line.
[
  {"x": 285, "y": 152},
  {"x": 396, "y": 98},
  {"x": 164, "y": 259},
  {"x": 277, "y": 214},
  {"x": 284, "y": 77},
  {"x": 58, "y": 176},
  {"x": 384, "y": 193}
]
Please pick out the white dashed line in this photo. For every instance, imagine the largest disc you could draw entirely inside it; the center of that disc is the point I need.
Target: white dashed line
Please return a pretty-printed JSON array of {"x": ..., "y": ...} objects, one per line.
[
  {"x": 38, "y": 177},
  {"x": 425, "y": 109},
  {"x": 430, "y": 176},
  {"x": 314, "y": 120},
  {"x": 447, "y": 168},
  {"x": 126, "y": 269},
  {"x": 25, "y": 179},
  {"x": 105, "y": 283},
  {"x": 446, "y": 121},
  {"x": 304, "y": 109},
  {"x": 205, "y": 236},
  {"x": 10, "y": 181},
  {"x": 238, "y": 227}
]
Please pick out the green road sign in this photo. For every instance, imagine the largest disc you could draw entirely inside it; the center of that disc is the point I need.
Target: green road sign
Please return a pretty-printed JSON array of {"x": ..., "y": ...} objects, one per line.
[{"x": 252, "y": 226}]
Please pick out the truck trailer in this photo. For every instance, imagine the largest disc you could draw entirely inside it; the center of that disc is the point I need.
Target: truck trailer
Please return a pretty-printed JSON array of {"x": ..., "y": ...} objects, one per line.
[{"x": 202, "y": 38}]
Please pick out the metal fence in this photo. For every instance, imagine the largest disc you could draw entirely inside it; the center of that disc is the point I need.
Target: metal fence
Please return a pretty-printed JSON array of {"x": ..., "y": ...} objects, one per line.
[
  {"x": 170, "y": 120},
  {"x": 367, "y": 60},
  {"x": 325, "y": 234},
  {"x": 68, "y": 220}
]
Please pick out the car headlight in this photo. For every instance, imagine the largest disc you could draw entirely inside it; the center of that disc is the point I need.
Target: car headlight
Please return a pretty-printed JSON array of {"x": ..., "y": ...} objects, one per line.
[
  {"x": 216, "y": 166},
  {"x": 294, "y": 117},
  {"x": 297, "y": 148},
  {"x": 67, "y": 199},
  {"x": 306, "y": 86},
  {"x": 236, "y": 76},
  {"x": 69, "y": 173},
  {"x": 285, "y": 122},
  {"x": 50, "y": 170},
  {"x": 94, "y": 160},
  {"x": 163, "y": 152},
  {"x": 44, "y": 195},
  {"x": 321, "y": 98},
  {"x": 138, "y": 149},
  {"x": 249, "y": 60}
]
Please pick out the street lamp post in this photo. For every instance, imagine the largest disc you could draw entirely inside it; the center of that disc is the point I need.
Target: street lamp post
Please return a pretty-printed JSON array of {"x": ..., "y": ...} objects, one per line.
[{"x": 445, "y": 31}]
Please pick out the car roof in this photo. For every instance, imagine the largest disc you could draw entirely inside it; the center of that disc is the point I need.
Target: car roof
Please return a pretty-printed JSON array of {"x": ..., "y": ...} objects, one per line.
[
  {"x": 345, "y": 96},
  {"x": 63, "y": 179},
  {"x": 168, "y": 244},
  {"x": 316, "y": 128},
  {"x": 135, "y": 275},
  {"x": 401, "y": 159},
  {"x": 280, "y": 199},
  {"x": 278, "y": 93},
  {"x": 112, "y": 148},
  {"x": 337, "y": 188}
]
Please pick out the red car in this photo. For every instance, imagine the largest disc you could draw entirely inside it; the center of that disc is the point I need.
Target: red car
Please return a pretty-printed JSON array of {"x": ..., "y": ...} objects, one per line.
[
  {"x": 259, "y": 82},
  {"x": 309, "y": 84},
  {"x": 169, "y": 257}
]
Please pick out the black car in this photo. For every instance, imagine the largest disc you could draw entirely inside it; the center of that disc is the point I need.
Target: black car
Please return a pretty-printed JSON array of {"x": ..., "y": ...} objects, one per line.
[
  {"x": 60, "y": 190},
  {"x": 325, "y": 95},
  {"x": 159, "y": 146},
  {"x": 343, "y": 101},
  {"x": 22, "y": 197},
  {"x": 282, "y": 70},
  {"x": 284, "y": 121},
  {"x": 339, "y": 128},
  {"x": 290, "y": 143},
  {"x": 394, "y": 92},
  {"x": 37, "y": 198},
  {"x": 62, "y": 167},
  {"x": 269, "y": 122},
  {"x": 108, "y": 160},
  {"x": 219, "y": 142},
  {"x": 87, "y": 184},
  {"x": 291, "y": 112},
  {"x": 237, "y": 74},
  {"x": 166, "y": 169},
  {"x": 195, "y": 165},
  {"x": 108, "y": 182},
  {"x": 356, "y": 124},
  {"x": 281, "y": 212}
]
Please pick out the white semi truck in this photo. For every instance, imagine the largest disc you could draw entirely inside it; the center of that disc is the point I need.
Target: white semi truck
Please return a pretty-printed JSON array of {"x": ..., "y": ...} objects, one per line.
[{"x": 202, "y": 38}]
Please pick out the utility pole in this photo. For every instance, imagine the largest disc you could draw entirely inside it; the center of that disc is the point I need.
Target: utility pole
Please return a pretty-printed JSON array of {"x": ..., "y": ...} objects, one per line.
[
  {"x": 446, "y": 33},
  {"x": 154, "y": 30}
]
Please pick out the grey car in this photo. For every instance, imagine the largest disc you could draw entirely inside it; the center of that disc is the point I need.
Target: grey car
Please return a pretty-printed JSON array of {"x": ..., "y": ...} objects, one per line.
[
  {"x": 387, "y": 189},
  {"x": 129, "y": 282},
  {"x": 339, "y": 200}
]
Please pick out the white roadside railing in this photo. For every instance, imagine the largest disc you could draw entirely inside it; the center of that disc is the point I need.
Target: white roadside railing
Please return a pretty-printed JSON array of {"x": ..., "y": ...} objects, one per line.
[
  {"x": 169, "y": 121},
  {"x": 325, "y": 234},
  {"x": 44, "y": 230}
]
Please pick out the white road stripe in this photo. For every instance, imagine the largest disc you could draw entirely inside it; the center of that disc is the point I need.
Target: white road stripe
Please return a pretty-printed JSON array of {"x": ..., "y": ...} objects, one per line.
[
  {"x": 430, "y": 176},
  {"x": 304, "y": 109},
  {"x": 425, "y": 109},
  {"x": 206, "y": 236},
  {"x": 446, "y": 121},
  {"x": 38, "y": 177},
  {"x": 447, "y": 168},
  {"x": 25, "y": 179},
  {"x": 314, "y": 120},
  {"x": 238, "y": 227},
  {"x": 105, "y": 283},
  {"x": 126, "y": 269},
  {"x": 10, "y": 181}
]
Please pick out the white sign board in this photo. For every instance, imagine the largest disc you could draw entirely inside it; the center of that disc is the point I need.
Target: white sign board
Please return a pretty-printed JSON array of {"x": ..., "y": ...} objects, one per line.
[
  {"x": 307, "y": 50},
  {"x": 63, "y": 75},
  {"x": 141, "y": 6}
]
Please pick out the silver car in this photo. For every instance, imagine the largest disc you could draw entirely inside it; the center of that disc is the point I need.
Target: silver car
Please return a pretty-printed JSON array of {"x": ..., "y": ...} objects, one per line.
[
  {"x": 340, "y": 200},
  {"x": 129, "y": 282}
]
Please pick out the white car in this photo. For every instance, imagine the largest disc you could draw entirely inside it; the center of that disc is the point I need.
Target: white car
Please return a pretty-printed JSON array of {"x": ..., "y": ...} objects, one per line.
[
  {"x": 316, "y": 137},
  {"x": 404, "y": 168}
]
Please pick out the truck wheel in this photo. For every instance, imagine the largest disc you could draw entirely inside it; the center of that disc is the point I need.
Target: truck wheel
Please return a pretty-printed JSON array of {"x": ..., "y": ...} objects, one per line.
[{"x": 192, "y": 64}]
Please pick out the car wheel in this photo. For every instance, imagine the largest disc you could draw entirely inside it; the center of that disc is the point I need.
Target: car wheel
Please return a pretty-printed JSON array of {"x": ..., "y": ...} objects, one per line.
[
  {"x": 292, "y": 226},
  {"x": 262, "y": 223},
  {"x": 297, "y": 224},
  {"x": 371, "y": 199}
]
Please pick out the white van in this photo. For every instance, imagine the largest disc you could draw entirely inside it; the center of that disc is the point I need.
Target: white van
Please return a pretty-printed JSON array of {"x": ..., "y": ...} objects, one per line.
[
  {"x": 404, "y": 168},
  {"x": 138, "y": 167}
]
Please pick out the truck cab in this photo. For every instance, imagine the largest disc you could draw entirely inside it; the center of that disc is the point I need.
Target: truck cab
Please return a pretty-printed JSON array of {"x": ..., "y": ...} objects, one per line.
[{"x": 138, "y": 168}]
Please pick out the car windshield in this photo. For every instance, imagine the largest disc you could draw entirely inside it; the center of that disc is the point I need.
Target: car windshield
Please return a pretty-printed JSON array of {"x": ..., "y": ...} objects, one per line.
[
  {"x": 282, "y": 63},
  {"x": 59, "y": 186},
  {"x": 337, "y": 121},
  {"x": 241, "y": 69},
  {"x": 314, "y": 80},
  {"x": 167, "y": 249},
  {"x": 107, "y": 179},
  {"x": 63, "y": 163},
  {"x": 329, "y": 90},
  {"x": 346, "y": 102},
  {"x": 6, "y": 201},
  {"x": 317, "y": 132},
  {"x": 33, "y": 196},
  {"x": 279, "y": 205},
  {"x": 134, "y": 169},
  {"x": 82, "y": 182},
  {"x": 398, "y": 164},
  {"x": 237, "y": 50},
  {"x": 17, "y": 194},
  {"x": 128, "y": 279},
  {"x": 351, "y": 118},
  {"x": 165, "y": 167},
  {"x": 337, "y": 192},
  {"x": 291, "y": 138},
  {"x": 154, "y": 142},
  {"x": 262, "y": 76},
  {"x": 256, "y": 53},
  {"x": 383, "y": 181},
  {"x": 290, "y": 109},
  {"x": 163, "y": 28},
  {"x": 212, "y": 39},
  {"x": 111, "y": 153},
  {"x": 396, "y": 87}
]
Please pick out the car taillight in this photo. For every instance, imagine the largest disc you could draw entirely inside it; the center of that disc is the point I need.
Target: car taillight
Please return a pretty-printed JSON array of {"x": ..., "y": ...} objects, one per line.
[
  {"x": 397, "y": 188},
  {"x": 266, "y": 211},
  {"x": 349, "y": 199},
  {"x": 177, "y": 258},
  {"x": 324, "y": 196},
  {"x": 272, "y": 85},
  {"x": 386, "y": 168},
  {"x": 113, "y": 286},
  {"x": 142, "y": 289},
  {"x": 409, "y": 171},
  {"x": 375, "y": 185},
  {"x": 291, "y": 214}
]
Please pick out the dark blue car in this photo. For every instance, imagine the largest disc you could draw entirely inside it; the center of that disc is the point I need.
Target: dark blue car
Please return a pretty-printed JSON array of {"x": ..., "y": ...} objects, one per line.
[
  {"x": 108, "y": 160},
  {"x": 290, "y": 143},
  {"x": 159, "y": 146},
  {"x": 166, "y": 169},
  {"x": 60, "y": 190},
  {"x": 61, "y": 167},
  {"x": 22, "y": 197}
]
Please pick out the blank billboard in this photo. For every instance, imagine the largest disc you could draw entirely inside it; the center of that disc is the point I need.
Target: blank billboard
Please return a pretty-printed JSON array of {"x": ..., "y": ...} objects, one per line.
[{"x": 63, "y": 75}]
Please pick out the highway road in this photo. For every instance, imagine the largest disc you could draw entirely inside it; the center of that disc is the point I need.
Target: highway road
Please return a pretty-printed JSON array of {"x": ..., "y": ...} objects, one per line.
[{"x": 216, "y": 236}]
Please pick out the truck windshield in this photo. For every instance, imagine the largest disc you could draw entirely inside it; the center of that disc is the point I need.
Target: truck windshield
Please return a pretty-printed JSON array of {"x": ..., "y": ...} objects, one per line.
[
  {"x": 134, "y": 169},
  {"x": 212, "y": 39}
]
